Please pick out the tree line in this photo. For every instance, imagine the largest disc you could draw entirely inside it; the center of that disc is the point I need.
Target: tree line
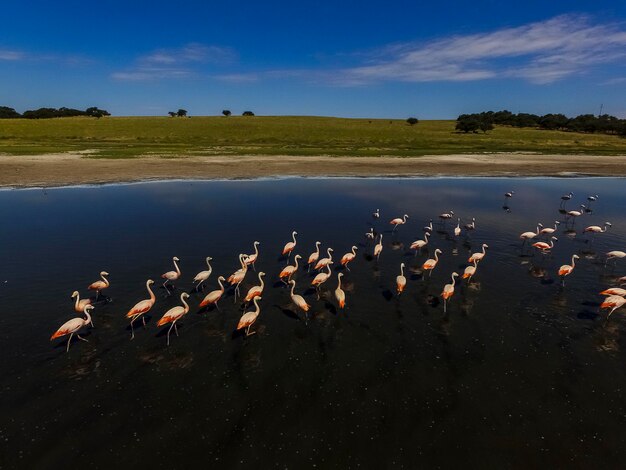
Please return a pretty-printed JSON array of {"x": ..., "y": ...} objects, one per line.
[
  {"x": 47, "y": 113},
  {"x": 588, "y": 123}
]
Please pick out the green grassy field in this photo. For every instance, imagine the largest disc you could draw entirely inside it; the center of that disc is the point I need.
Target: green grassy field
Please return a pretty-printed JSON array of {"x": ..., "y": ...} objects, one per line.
[{"x": 125, "y": 137}]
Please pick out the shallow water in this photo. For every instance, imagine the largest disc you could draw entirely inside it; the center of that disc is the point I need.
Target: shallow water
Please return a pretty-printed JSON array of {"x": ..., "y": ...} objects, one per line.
[{"x": 519, "y": 372}]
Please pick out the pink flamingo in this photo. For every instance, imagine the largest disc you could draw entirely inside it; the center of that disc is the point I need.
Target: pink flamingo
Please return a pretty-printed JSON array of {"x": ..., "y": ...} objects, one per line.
[
  {"x": 251, "y": 259},
  {"x": 79, "y": 306},
  {"x": 73, "y": 326},
  {"x": 575, "y": 214},
  {"x": 349, "y": 257},
  {"x": 400, "y": 280},
  {"x": 549, "y": 230},
  {"x": 238, "y": 276},
  {"x": 289, "y": 270},
  {"x": 614, "y": 291},
  {"x": 430, "y": 263},
  {"x": 614, "y": 255},
  {"x": 298, "y": 300},
  {"x": 398, "y": 221},
  {"x": 100, "y": 285},
  {"x": 378, "y": 248},
  {"x": 478, "y": 256},
  {"x": 325, "y": 261},
  {"x": 613, "y": 302},
  {"x": 457, "y": 229},
  {"x": 448, "y": 291},
  {"x": 202, "y": 276},
  {"x": 320, "y": 279},
  {"x": 213, "y": 297},
  {"x": 370, "y": 235},
  {"x": 446, "y": 216},
  {"x": 340, "y": 295},
  {"x": 141, "y": 308},
  {"x": 313, "y": 257},
  {"x": 543, "y": 246},
  {"x": 290, "y": 245},
  {"x": 567, "y": 269},
  {"x": 529, "y": 235},
  {"x": 248, "y": 318},
  {"x": 172, "y": 275},
  {"x": 598, "y": 229},
  {"x": 417, "y": 245},
  {"x": 173, "y": 315},
  {"x": 470, "y": 271},
  {"x": 255, "y": 291}
]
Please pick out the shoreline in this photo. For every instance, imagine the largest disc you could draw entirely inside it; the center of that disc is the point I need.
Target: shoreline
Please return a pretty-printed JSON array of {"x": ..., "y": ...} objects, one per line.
[{"x": 68, "y": 169}]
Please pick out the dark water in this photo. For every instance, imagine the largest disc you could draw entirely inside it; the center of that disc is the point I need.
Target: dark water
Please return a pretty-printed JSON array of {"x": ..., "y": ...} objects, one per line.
[{"x": 520, "y": 372}]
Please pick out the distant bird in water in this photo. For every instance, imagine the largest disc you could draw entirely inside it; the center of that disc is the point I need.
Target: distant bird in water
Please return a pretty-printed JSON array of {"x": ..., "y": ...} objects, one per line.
[
  {"x": 457, "y": 229},
  {"x": 288, "y": 270},
  {"x": 172, "y": 275},
  {"x": 370, "y": 235},
  {"x": 79, "y": 305},
  {"x": 100, "y": 285},
  {"x": 446, "y": 216},
  {"x": 430, "y": 263},
  {"x": 471, "y": 225},
  {"x": 400, "y": 280},
  {"x": 248, "y": 318},
  {"x": 340, "y": 295},
  {"x": 251, "y": 259},
  {"x": 613, "y": 302},
  {"x": 598, "y": 229},
  {"x": 325, "y": 261},
  {"x": 348, "y": 257},
  {"x": 543, "y": 246},
  {"x": 203, "y": 275},
  {"x": 255, "y": 291},
  {"x": 566, "y": 197},
  {"x": 478, "y": 256},
  {"x": 376, "y": 214},
  {"x": 289, "y": 246},
  {"x": 313, "y": 257},
  {"x": 614, "y": 255},
  {"x": 378, "y": 248},
  {"x": 298, "y": 300},
  {"x": 509, "y": 194},
  {"x": 448, "y": 291},
  {"x": 141, "y": 308},
  {"x": 213, "y": 297},
  {"x": 398, "y": 221},
  {"x": 567, "y": 269},
  {"x": 549, "y": 230},
  {"x": 470, "y": 271},
  {"x": 529, "y": 235},
  {"x": 575, "y": 214},
  {"x": 320, "y": 279},
  {"x": 593, "y": 198},
  {"x": 429, "y": 227},
  {"x": 173, "y": 315},
  {"x": 73, "y": 326},
  {"x": 417, "y": 245},
  {"x": 238, "y": 276}
]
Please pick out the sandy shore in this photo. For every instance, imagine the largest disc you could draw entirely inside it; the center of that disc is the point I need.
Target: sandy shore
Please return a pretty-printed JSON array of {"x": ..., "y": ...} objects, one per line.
[{"x": 67, "y": 169}]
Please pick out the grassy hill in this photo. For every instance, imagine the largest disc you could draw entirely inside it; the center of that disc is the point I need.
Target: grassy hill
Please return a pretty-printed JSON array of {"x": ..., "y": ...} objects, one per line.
[{"x": 125, "y": 137}]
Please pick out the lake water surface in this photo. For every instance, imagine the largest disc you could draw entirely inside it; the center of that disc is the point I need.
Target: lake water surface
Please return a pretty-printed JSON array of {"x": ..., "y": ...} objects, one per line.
[{"x": 520, "y": 371}]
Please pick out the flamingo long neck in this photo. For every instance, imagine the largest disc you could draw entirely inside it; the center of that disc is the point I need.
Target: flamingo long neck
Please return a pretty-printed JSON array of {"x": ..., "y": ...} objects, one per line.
[
  {"x": 257, "y": 309},
  {"x": 339, "y": 284},
  {"x": 317, "y": 249},
  {"x": 256, "y": 249},
  {"x": 242, "y": 262},
  {"x": 293, "y": 236},
  {"x": 555, "y": 224},
  {"x": 219, "y": 281},
  {"x": 77, "y": 301},
  {"x": 106, "y": 281},
  {"x": 182, "y": 299},
  {"x": 426, "y": 237},
  {"x": 484, "y": 250},
  {"x": 262, "y": 282},
  {"x": 537, "y": 229},
  {"x": 296, "y": 264},
  {"x": 573, "y": 262},
  {"x": 430, "y": 225},
  {"x": 293, "y": 286},
  {"x": 328, "y": 267},
  {"x": 208, "y": 263},
  {"x": 436, "y": 256},
  {"x": 152, "y": 297},
  {"x": 475, "y": 263},
  {"x": 551, "y": 243},
  {"x": 354, "y": 250},
  {"x": 177, "y": 268},
  {"x": 453, "y": 280},
  {"x": 404, "y": 219},
  {"x": 401, "y": 270},
  {"x": 87, "y": 321},
  {"x": 330, "y": 256}
]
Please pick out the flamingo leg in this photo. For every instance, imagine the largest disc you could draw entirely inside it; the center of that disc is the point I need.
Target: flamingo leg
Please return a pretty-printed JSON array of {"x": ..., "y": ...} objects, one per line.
[
  {"x": 168, "y": 334},
  {"x": 97, "y": 294},
  {"x": 217, "y": 306},
  {"x": 175, "y": 328},
  {"x": 614, "y": 308},
  {"x": 68, "y": 343},
  {"x": 143, "y": 319},
  {"x": 132, "y": 330},
  {"x": 81, "y": 338}
]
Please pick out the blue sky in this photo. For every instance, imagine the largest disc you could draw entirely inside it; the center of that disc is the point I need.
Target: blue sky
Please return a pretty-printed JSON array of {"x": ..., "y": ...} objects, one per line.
[{"x": 350, "y": 58}]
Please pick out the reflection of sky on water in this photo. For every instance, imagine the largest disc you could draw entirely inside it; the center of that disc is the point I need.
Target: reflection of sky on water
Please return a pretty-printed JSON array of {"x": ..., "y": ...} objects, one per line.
[{"x": 516, "y": 356}]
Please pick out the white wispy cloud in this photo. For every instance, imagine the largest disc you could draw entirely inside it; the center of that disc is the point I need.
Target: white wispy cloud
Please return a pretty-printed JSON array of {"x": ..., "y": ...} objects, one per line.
[
  {"x": 176, "y": 63},
  {"x": 11, "y": 55}
]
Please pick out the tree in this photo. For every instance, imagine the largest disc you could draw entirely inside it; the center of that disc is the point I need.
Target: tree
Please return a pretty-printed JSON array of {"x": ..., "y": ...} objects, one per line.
[
  {"x": 467, "y": 123},
  {"x": 8, "y": 113},
  {"x": 172, "y": 113},
  {"x": 181, "y": 113},
  {"x": 412, "y": 121},
  {"x": 226, "y": 112},
  {"x": 247, "y": 113},
  {"x": 485, "y": 125}
]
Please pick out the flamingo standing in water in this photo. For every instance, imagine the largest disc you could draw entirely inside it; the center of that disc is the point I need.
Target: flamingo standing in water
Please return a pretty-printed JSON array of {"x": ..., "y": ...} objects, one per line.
[
  {"x": 370, "y": 235},
  {"x": 509, "y": 194},
  {"x": 614, "y": 255},
  {"x": 530, "y": 235},
  {"x": 613, "y": 302},
  {"x": 566, "y": 197},
  {"x": 251, "y": 259},
  {"x": 549, "y": 230},
  {"x": 398, "y": 221},
  {"x": 574, "y": 214},
  {"x": 567, "y": 269},
  {"x": 543, "y": 246},
  {"x": 429, "y": 227},
  {"x": 470, "y": 271},
  {"x": 172, "y": 275},
  {"x": 348, "y": 257},
  {"x": 430, "y": 263},
  {"x": 256, "y": 290},
  {"x": 340, "y": 295},
  {"x": 448, "y": 291},
  {"x": 248, "y": 318},
  {"x": 471, "y": 225},
  {"x": 100, "y": 284},
  {"x": 213, "y": 297},
  {"x": 141, "y": 308},
  {"x": 313, "y": 257},
  {"x": 290, "y": 245},
  {"x": 73, "y": 326},
  {"x": 457, "y": 229},
  {"x": 289, "y": 270},
  {"x": 173, "y": 315},
  {"x": 376, "y": 214},
  {"x": 298, "y": 300},
  {"x": 79, "y": 305},
  {"x": 597, "y": 228},
  {"x": 478, "y": 256},
  {"x": 320, "y": 279},
  {"x": 378, "y": 248},
  {"x": 325, "y": 261},
  {"x": 417, "y": 245},
  {"x": 400, "y": 280},
  {"x": 202, "y": 276},
  {"x": 238, "y": 276},
  {"x": 446, "y": 216}
]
